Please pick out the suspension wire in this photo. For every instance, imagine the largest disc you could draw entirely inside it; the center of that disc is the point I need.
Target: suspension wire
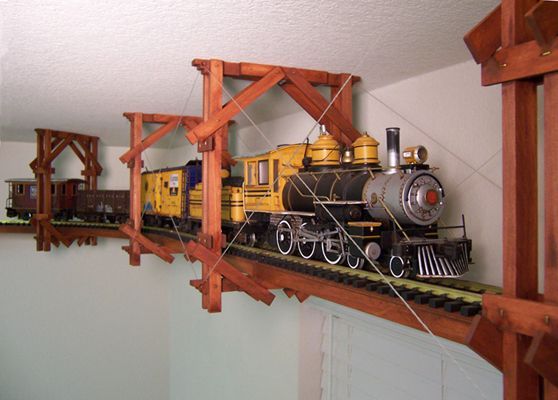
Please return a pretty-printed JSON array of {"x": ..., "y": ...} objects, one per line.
[
  {"x": 171, "y": 142},
  {"x": 383, "y": 277},
  {"x": 453, "y": 154}
]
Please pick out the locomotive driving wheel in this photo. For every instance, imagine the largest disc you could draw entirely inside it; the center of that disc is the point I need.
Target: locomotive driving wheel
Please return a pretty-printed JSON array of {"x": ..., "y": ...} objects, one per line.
[
  {"x": 306, "y": 248},
  {"x": 354, "y": 262},
  {"x": 284, "y": 237},
  {"x": 332, "y": 249}
]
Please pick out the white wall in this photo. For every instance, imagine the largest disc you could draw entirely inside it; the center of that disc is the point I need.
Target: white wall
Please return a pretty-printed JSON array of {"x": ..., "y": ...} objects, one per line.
[{"x": 79, "y": 323}]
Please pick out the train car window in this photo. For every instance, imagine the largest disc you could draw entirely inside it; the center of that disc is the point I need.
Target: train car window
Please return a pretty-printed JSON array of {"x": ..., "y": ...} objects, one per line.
[
  {"x": 166, "y": 184},
  {"x": 252, "y": 173},
  {"x": 263, "y": 172},
  {"x": 19, "y": 189},
  {"x": 146, "y": 185},
  {"x": 52, "y": 188},
  {"x": 74, "y": 189},
  {"x": 275, "y": 175},
  {"x": 63, "y": 189},
  {"x": 81, "y": 186}
]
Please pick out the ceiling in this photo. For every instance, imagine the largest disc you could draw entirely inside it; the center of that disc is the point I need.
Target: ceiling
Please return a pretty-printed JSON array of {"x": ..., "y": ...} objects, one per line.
[{"x": 79, "y": 65}]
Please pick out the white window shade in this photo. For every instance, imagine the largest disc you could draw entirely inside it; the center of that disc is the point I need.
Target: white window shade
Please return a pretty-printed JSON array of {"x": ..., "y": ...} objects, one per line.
[{"x": 364, "y": 357}]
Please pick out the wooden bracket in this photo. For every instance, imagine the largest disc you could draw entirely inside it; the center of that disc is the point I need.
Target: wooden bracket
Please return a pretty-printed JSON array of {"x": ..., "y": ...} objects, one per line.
[
  {"x": 160, "y": 251},
  {"x": 526, "y": 317},
  {"x": 486, "y": 340},
  {"x": 299, "y": 295},
  {"x": 227, "y": 285},
  {"x": 244, "y": 98},
  {"x": 485, "y": 38},
  {"x": 542, "y": 356},
  {"x": 542, "y": 18},
  {"x": 205, "y": 240},
  {"x": 207, "y": 144},
  {"x": 245, "y": 283},
  {"x": 150, "y": 140},
  {"x": 55, "y": 236}
]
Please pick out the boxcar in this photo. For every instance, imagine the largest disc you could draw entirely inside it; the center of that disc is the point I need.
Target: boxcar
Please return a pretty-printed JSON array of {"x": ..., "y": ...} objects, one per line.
[
  {"x": 165, "y": 193},
  {"x": 22, "y": 197}
]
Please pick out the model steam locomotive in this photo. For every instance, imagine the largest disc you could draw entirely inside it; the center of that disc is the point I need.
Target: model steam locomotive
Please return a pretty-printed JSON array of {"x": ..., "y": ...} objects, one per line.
[{"x": 315, "y": 200}]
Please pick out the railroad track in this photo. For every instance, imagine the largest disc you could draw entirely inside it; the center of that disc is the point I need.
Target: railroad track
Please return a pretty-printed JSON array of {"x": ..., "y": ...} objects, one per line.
[{"x": 452, "y": 295}]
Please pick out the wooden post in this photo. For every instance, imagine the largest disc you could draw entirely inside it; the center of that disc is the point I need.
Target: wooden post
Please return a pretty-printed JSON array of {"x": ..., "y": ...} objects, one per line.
[
  {"x": 550, "y": 200},
  {"x": 47, "y": 189},
  {"x": 211, "y": 182},
  {"x": 39, "y": 175},
  {"x": 519, "y": 110},
  {"x": 136, "y": 128}
]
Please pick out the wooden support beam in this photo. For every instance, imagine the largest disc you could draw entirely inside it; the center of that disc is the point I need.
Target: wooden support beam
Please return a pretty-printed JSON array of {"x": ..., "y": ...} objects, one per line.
[
  {"x": 542, "y": 356},
  {"x": 140, "y": 240},
  {"x": 485, "y": 38},
  {"x": 350, "y": 134},
  {"x": 543, "y": 21},
  {"x": 136, "y": 127},
  {"x": 522, "y": 61},
  {"x": 245, "y": 283},
  {"x": 244, "y": 98},
  {"x": 150, "y": 140},
  {"x": 301, "y": 297},
  {"x": 486, "y": 340},
  {"x": 188, "y": 121},
  {"x": 519, "y": 158},
  {"x": 550, "y": 204},
  {"x": 211, "y": 184},
  {"x": 252, "y": 71}
]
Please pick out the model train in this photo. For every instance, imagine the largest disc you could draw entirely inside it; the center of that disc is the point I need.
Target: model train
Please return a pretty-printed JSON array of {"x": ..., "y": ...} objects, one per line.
[{"x": 314, "y": 200}]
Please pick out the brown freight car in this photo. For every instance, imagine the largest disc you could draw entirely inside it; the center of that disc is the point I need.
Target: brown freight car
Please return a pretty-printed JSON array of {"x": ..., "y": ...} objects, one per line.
[
  {"x": 103, "y": 205},
  {"x": 22, "y": 197}
]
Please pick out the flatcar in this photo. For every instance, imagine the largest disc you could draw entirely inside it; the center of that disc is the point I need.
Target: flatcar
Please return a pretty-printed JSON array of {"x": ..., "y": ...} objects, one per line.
[{"x": 22, "y": 197}]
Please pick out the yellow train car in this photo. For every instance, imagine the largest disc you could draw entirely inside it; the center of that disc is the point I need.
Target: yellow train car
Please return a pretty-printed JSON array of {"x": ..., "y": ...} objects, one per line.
[
  {"x": 166, "y": 193},
  {"x": 232, "y": 204}
]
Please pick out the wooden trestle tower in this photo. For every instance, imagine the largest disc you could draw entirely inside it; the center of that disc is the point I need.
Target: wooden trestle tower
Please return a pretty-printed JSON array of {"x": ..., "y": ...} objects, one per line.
[
  {"x": 518, "y": 332},
  {"x": 211, "y": 135},
  {"x": 50, "y": 144}
]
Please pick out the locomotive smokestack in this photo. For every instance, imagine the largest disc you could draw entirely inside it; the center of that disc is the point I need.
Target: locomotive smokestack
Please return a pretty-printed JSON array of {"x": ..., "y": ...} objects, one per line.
[{"x": 393, "y": 149}]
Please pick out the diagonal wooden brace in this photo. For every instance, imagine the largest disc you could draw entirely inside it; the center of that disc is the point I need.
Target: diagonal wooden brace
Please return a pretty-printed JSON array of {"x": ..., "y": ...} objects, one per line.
[
  {"x": 154, "y": 248},
  {"x": 542, "y": 356},
  {"x": 350, "y": 133},
  {"x": 93, "y": 159},
  {"x": 56, "y": 152},
  {"x": 485, "y": 38},
  {"x": 150, "y": 140},
  {"x": 228, "y": 286},
  {"x": 543, "y": 21},
  {"x": 244, "y": 98},
  {"x": 43, "y": 220},
  {"x": 486, "y": 340},
  {"x": 245, "y": 283}
]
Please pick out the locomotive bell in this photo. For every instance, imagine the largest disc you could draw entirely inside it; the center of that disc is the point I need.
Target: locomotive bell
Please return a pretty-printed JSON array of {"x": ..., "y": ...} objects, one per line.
[
  {"x": 325, "y": 150},
  {"x": 365, "y": 150},
  {"x": 347, "y": 157}
]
